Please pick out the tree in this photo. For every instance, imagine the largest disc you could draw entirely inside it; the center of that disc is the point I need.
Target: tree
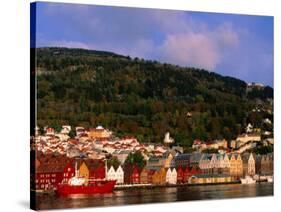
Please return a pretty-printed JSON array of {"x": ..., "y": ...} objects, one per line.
[
  {"x": 210, "y": 151},
  {"x": 113, "y": 161},
  {"x": 135, "y": 158}
]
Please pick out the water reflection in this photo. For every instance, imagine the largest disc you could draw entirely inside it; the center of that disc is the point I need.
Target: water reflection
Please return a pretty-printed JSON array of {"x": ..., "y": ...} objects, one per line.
[{"x": 156, "y": 195}]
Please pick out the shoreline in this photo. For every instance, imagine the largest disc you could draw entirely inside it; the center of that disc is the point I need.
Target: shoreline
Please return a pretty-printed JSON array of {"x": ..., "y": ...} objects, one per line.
[{"x": 150, "y": 186}]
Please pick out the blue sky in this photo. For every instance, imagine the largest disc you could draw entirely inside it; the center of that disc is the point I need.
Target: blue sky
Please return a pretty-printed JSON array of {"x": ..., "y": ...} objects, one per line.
[{"x": 233, "y": 45}]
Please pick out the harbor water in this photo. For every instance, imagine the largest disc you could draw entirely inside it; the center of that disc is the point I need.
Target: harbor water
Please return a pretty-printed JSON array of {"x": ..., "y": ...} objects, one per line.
[{"x": 155, "y": 195}]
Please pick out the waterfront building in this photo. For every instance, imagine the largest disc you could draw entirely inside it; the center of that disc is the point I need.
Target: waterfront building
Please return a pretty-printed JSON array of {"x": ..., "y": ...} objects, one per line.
[
  {"x": 249, "y": 164},
  {"x": 186, "y": 174},
  {"x": 267, "y": 164},
  {"x": 236, "y": 165},
  {"x": 179, "y": 175},
  {"x": 131, "y": 174},
  {"x": 84, "y": 171},
  {"x": 52, "y": 171},
  {"x": 117, "y": 174},
  {"x": 182, "y": 160},
  {"x": 205, "y": 163},
  {"x": 226, "y": 165},
  {"x": 159, "y": 177},
  {"x": 144, "y": 176},
  {"x": 195, "y": 159},
  {"x": 171, "y": 176}
]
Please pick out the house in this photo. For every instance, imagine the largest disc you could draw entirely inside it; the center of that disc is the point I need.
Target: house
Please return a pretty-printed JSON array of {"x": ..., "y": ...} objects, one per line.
[
  {"x": 182, "y": 160},
  {"x": 117, "y": 174},
  {"x": 214, "y": 163},
  {"x": 249, "y": 164},
  {"x": 195, "y": 159},
  {"x": 180, "y": 176},
  {"x": 65, "y": 129},
  {"x": 205, "y": 163},
  {"x": 131, "y": 174},
  {"x": 186, "y": 174},
  {"x": 157, "y": 162},
  {"x": 244, "y": 138},
  {"x": 267, "y": 164},
  {"x": 99, "y": 133},
  {"x": 110, "y": 174},
  {"x": 52, "y": 170},
  {"x": 226, "y": 165},
  {"x": 154, "y": 162},
  {"x": 159, "y": 176},
  {"x": 79, "y": 130},
  {"x": 171, "y": 176},
  {"x": 146, "y": 176},
  {"x": 84, "y": 171},
  {"x": 96, "y": 168},
  {"x": 50, "y": 131},
  {"x": 236, "y": 165}
]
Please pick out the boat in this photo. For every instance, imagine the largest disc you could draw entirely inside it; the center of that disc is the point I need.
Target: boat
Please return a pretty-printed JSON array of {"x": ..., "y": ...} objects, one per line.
[
  {"x": 81, "y": 185},
  {"x": 248, "y": 180}
]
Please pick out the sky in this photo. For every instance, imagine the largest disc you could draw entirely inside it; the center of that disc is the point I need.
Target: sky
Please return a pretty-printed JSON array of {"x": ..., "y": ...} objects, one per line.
[{"x": 234, "y": 45}]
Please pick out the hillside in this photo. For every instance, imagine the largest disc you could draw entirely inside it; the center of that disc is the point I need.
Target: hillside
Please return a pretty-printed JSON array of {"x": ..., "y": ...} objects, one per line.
[{"x": 142, "y": 98}]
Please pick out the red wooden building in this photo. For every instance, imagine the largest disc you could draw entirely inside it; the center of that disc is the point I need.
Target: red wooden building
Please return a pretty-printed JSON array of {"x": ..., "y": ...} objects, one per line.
[
  {"x": 180, "y": 175},
  {"x": 52, "y": 171},
  {"x": 186, "y": 174},
  {"x": 131, "y": 174}
]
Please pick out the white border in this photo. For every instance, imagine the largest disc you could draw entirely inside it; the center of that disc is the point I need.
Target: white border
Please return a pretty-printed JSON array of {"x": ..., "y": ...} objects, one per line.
[{"x": 14, "y": 118}]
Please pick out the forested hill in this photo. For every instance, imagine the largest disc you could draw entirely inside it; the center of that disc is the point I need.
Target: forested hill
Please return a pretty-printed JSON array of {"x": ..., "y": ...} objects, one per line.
[{"x": 140, "y": 97}]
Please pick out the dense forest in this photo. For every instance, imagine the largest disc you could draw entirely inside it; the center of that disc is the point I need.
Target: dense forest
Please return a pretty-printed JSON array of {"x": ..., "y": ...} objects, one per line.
[{"x": 133, "y": 96}]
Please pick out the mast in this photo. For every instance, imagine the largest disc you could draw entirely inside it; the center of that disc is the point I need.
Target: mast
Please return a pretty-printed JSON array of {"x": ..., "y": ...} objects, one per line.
[{"x": 76, "y": 170}]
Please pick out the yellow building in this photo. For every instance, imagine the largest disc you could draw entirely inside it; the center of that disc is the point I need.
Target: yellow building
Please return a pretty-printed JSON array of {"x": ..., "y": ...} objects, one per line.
[
  {"x": 159, "y": 177},
  {"x": 236, "y": 166},
  {"x": 84, "y": 171},
  {"x": 239, "y": 165}
]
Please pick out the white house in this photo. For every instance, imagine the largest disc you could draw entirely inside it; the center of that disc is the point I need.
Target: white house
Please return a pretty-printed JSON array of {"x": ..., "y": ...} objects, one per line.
[
  {"x": 251, "y": 165},
  {"x": 214, "y": 161},
  {"x": 110, "y": 174},
  {"x": 226, "y": 163},
  {"x": 171, "y": 176},
  {"x": 65, "y": 129},
  {"x": 117, "y": 175}
]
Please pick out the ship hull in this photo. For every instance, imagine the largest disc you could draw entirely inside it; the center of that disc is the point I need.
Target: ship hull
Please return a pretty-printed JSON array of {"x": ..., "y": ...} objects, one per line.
[{"x": 96, "y": 188}]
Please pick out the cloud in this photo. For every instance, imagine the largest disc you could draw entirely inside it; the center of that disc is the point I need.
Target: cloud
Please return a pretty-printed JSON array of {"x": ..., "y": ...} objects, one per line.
[
  {"x": 192, "y": 49},
  {"x": 226, "y": 36}
]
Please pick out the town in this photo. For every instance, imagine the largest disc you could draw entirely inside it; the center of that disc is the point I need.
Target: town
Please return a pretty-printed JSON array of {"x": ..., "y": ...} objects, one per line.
[{"x": 100, "y": 155}]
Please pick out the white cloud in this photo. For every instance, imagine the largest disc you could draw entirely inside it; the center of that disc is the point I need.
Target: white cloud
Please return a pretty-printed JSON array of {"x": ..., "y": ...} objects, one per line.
[{"x": 192, "y": 49}]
